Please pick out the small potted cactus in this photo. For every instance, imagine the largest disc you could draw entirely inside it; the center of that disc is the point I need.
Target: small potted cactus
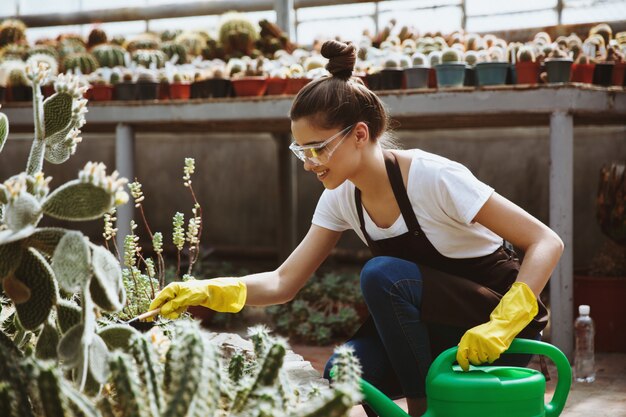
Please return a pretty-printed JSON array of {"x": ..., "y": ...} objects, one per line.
[
  {"x": 252, "y": 82},
  {"x": 164, "y": 86},
  {"x": 417, "y": 74},
  {"x": 202, "y": 85},
  {"x": 147, "y": 86},
  {"x": 100, "y": 89},
  {"x": 276, "y": 82},
  {"x": 19, "y": 85},
  {"x": 221, "y": 85},
  {"x": 296, "y": 80},
  {"x": 124, "y": 87},
  {"x": 493, "y": 72},
  {"x": 451, "y": 70},
  {"x": 180, "y": 87},
  {"x": 526, "y": 66},
  {"x": 619, "y": 70},
  {"x": 583, "y": 69},
  {"x": 610, "y": 68},
  {"x": 558, "y": 66},
  {"x": 391, "y": 75}
]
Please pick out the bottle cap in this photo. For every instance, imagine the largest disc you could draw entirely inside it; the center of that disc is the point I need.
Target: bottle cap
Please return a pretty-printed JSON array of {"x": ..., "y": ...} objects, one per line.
[{"x": 584, "y": 309}]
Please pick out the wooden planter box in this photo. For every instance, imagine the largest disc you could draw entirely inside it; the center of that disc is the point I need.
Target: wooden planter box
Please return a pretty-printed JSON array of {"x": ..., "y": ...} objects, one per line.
[{"x": 607, "y": 298}]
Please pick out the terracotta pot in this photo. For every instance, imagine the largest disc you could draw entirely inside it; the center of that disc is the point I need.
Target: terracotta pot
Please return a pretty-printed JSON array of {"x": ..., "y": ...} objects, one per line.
[
  {"x": 276, "y": 86},
  {"x": 618, "y": 73},
  {"x": 527, "y": 72},
  {"x": 294, "y": 85},
  {"x": 605, "y": 296},
  {"x": 164, "y": 91},
  {"x": 180, "y": 91},
  {"x": 102, "y": 92},
  {"x": 249, "y": 86},
  {"x": 583, "y": 73}
]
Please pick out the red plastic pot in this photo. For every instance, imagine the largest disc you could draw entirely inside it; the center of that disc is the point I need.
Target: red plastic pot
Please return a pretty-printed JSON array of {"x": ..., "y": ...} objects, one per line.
[
  {"x": 527, "y": 72},
  {"x": 618, "y": 73},
  {"x": 249, "y": 86},
  {"x": 102, "y": 92},
  {"x": 180, "y": 91},
  {"x": 164, "y": 91},
  {"x": 295, "y": 84},
  {"x": 432, "y": 78},
  {"x": 583, "y": 73},
  {"x": 276, "y": 86}
]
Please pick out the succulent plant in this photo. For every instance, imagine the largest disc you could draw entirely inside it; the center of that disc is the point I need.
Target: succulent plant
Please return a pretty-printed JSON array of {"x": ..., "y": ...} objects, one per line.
[
  {"x": 451, "y": 55},
  {"x": 142, "y": 41},
  {"x": 192, "y": 42},
  {"x": 149, "y": 58},
  {"x": 48, "y": 60},
  {"x": 526, "y": 54},
  {"x": 237, "y": 33},
  {"x": 172, "y": 48},
  {"x": 12, "y": 31},
  {"x": 604, "y": 30},
  {"x": 419, "y": 59},
  {"x": 85, "y": 62},
  {"x": 17, "y": 51},
  {"x": 109, "y": 55},
  {"x": 146, "y": 77},
  {"x": 97, "y": 36},
  {"x": 17, "y": 78}
]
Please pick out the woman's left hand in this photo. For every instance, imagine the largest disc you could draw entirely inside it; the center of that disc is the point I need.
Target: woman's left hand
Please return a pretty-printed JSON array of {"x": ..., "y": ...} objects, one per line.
[{"x": 486, "y": 342}]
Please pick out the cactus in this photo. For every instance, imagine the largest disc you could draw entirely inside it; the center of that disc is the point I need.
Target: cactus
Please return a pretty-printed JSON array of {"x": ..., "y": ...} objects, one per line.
[
  {"x": 83, "y": 61},
  {"x": 69, "y": 315},
  {"x": 172, "y": 48},
  {"x": 109, "y": 55},
  {"x": 48, "y": 60},
  {"x": 97, "y": 36},
  {"x": 71, "y": 262},
  {"x": 146, "y": 77},
  {"x": 451, "y": 55},
  {"x": 12, "y": 31},
  {"x": 46, "y": 347},
  {"x": 237, "y": 33},
  {"x": 14, "y": 51},
  {"x": 43, "y": 49},
  {"x": 193, "y": 42},
  {"x": 12, "y": 375},
  {"x": 149, "y": 58},
  {"x": 525, "y": 54},
  {"x": 4, "y": 131},
  {"x": 142, "y": 41},
  {"x": 106, "y": 285},
  {"x": 17, "y": 78}
]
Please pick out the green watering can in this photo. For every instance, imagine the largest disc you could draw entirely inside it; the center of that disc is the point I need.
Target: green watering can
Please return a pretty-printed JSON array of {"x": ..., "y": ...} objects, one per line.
[{"x": 485, "y": 391}]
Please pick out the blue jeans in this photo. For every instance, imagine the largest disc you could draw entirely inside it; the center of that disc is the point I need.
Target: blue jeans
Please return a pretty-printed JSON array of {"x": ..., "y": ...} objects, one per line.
[{"x": 393, "y": 346}]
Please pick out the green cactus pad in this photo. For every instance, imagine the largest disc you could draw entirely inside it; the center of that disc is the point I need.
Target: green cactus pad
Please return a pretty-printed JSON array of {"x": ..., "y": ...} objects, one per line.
[
  {"x": 70, "y": 348},
  {"x": 118, "y": 336},
  {"x": 46, "y": 347},
  {"x": 59, "y": 138},
  {"x": 4, "y": 130},
  {"x": 98, "y": 360},
  {"x": 8, "y": 236},
  {"x": 106, "y": 287},
  {"x": 77, "y": 201},
  {"x": 57, "y": 113},
  {"x": 69, "y": 314},
  {"x": 4, "y": 197},
  {"x": 25, "y": 210},
  {"x": 57, "y": 153},
  {"x": 71, "y": 262},
  {"x": 45, "y": 239},
  {"x": 10, "y": 257},
  {"x": 12, "y": 374},
  {"x": 37, "y": 275}
]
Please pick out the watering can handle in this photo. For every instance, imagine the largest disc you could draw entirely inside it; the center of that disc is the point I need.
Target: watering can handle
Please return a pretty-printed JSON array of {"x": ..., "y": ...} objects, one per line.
[{"x": 555, "y": 406}]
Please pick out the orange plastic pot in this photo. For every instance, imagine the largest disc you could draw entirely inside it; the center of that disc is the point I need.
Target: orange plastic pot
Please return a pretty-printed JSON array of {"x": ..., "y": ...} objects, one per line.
[
  {"x": 295, "y": 84},
  {"x": 583, "y": 73},
  {"x": 527, "y": 72},
  {"x": 180, "y": 91},
  {"x": 102, "y": 92},
  {"x": 164, "y": 91},
  {"x": 249, "y": 86},
  {"x": 276, "y": 86}
]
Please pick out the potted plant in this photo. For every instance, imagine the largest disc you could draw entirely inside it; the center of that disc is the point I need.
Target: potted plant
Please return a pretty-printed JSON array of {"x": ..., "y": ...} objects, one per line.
[
  {"x": 202, "y": 86},
  {"x": 276, "y": 82},
  {"x": 20, "y": 89},
  {"x": 558, "y": 66},
  {"x": 526, "y": 66},
  {"x": 252, "y": 82},
  {"x": 297, "y": 79},
  {"x": 603, "y": 285},
  {"x": 583, "y": 69},
  {"x": 617, "y": 57},
  {"x": 147, "y": 85},
  {"x": 451, "y": 71},
  {"x": 391, "y": 74},
  {"x": 124, "y": 89},
  {"x": 221, "y": 85},
  {"x": 417, "y": 73},
  {"x": 434, "y": 58},
  {"x": 471, "y": 59},
  {"x": 164, "y": 86},
  {"x": 100, "y": 89},
  {"x": 180, "y": 87},
  {"x": 494, "y": 71}
]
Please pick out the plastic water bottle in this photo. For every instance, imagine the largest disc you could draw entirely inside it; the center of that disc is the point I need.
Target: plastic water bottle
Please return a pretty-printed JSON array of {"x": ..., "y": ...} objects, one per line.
[{"x": 584, "y": 361}]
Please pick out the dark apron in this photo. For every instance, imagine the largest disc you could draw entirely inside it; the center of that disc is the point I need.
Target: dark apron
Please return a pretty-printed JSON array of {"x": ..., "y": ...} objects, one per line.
[{"x": 468, "y": 291}]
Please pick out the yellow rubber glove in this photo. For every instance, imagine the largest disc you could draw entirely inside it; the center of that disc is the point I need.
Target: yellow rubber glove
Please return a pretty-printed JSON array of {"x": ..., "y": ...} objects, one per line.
[
  {"x": 226, "y": 295},
  {"x": 486, "y": 342}
]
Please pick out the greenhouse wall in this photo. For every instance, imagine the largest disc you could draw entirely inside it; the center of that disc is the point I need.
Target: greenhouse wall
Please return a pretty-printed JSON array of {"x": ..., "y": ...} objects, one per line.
[{"x": 236, "y": 178}]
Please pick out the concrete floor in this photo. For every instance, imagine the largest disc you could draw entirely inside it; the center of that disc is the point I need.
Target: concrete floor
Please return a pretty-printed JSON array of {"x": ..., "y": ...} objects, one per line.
[{"x": 606, "y": 397}]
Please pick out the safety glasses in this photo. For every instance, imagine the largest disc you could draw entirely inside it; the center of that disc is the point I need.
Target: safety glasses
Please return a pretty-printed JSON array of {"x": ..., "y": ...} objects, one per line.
[{"x": 320, "y": 153}]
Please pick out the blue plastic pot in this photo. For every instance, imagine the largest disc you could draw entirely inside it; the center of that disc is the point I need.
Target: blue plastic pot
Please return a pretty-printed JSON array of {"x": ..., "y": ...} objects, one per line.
[
  {"x": 450, "y": 75},
  {"x": 492, "y": 73}
]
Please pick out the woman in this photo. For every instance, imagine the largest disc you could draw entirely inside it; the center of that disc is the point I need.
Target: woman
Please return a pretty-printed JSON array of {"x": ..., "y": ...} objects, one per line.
[{"x": 413, "y": 209}]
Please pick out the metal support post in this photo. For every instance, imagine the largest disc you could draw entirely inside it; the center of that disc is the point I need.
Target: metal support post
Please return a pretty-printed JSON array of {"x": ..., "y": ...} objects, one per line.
[
  {"x": 561, "y": 221},
  {"x": 124, "y": 163},
  {"x": 288, "y": 197},
  {"x": 284, "y": 9}
]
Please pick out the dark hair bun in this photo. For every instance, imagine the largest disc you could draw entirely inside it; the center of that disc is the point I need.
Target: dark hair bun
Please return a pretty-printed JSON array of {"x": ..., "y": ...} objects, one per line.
[{"x": 341, "y": 58}]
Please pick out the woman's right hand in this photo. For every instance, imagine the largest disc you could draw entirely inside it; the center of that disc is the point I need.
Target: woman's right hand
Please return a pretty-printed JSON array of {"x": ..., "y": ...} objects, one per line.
[{"x": 227, "y": 295}]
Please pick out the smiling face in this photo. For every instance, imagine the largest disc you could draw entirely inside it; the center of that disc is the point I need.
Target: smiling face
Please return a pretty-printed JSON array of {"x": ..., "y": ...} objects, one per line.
[{"x": 339, "y": 159}]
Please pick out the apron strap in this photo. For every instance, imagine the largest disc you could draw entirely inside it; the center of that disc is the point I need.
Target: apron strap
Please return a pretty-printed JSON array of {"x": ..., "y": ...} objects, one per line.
[{"x": 399, "y": 191}]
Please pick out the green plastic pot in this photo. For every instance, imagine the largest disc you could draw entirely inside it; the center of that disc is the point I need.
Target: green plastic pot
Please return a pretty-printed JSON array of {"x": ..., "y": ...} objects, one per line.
[
  {"x": 450, "y": 75},
  {"x": 485, "y": 391},
  {"x": 559, "y": 70},
  {"x": 492, "y": 73}
]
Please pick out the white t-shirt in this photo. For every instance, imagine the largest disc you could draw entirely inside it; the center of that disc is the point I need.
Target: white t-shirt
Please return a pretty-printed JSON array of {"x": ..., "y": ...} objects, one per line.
[{"x": 445, "y": 197}]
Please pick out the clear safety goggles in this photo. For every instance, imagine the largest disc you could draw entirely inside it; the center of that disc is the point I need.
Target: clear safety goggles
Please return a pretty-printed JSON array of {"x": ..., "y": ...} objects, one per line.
[{"x": 320, "y": 153}]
